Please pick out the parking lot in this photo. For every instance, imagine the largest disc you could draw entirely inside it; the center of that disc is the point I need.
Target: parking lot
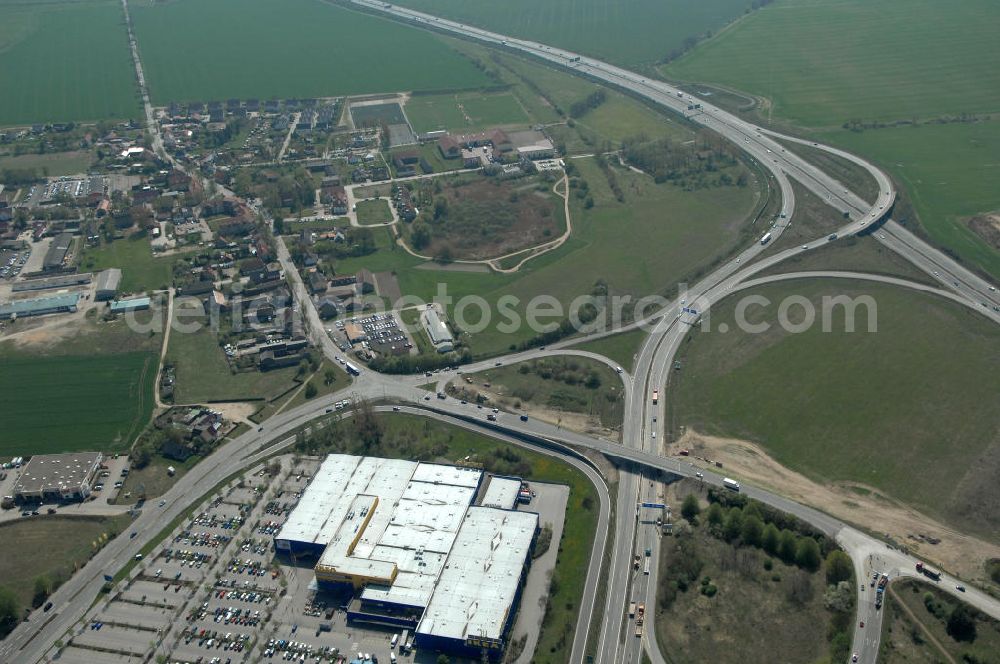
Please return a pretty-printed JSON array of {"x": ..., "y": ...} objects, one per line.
[
  {"x": 384, "y": 335},
  {"x": 214, "y": 591},
  {"x": 12, "y": 263}
]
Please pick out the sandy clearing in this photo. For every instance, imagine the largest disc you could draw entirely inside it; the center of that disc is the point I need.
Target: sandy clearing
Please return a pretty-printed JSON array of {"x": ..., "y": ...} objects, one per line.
[{"x": 855, "y": 503}]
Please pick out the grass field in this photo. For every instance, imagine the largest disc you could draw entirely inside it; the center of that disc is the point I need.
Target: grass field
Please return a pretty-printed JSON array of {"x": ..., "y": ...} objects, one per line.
[
  {"x": 826, "y": 63},
  {"x": 141, "y": 270},
  {"x": 54, "y": 164},
  {"x": 905, "y": 641},
  {"x": 878, "y": 409},
  {"x": 65, "y": 61},
  {"x": 556, "y": 385},
  {"x": 698, "y": 628},
  {"x": 55, "y": 404},
  {"x": 621, "y": 348},
  {"x": 218, "y": 49},
  {"x": 204, "y": 375},
  {"x": 890, "y": 60},
  {"x": 52, "y": 546},
  {"x": 374, "y": 212},
  {"x": 950, "y": 173},
  {"x": 637, "y": 32},
  {"x": 463, "y": 112}
]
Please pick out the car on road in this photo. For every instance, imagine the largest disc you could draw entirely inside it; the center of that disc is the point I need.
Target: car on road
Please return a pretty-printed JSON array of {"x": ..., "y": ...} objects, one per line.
[
  {"x": 960, "y": 589},
  {"x": 699, "y": 475},
  {"x": 132, "y": 535},
  {"x": 854, "y": 657},
  {"x": 162, "y": 503}
]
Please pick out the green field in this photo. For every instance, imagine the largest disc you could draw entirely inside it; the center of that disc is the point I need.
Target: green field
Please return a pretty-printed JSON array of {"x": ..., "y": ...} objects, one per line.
[
  {"x": 829, "y": 62},
  {"x": 217, "y": 49},
  {"x": 52, "y": 164},
  {"x": 463, "y": 112},
  {"x": 74, "y": 402},
  {"x": 50, "y": 546},
  {"x": 141, "y": 270},
  {"x": 620, "y": 348},
  {"x": 558, "y": 385},
  {"x": 887, "y": 61},
  {"x": 65, "y": 61},
  {"x": 658, "y": 236},
  {"x": 629, "y": 32},
  {"x": 374, "y": 212},
  {"x": 950, "y": 172},
  {"x": 880, "y": 409},
  {"x": 203, "y": 373}
]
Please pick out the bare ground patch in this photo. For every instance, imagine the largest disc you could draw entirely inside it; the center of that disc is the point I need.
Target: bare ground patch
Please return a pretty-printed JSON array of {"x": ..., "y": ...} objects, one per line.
[
  {"x": 855, "y": 503},
  {"x": 987, "y": 226}
]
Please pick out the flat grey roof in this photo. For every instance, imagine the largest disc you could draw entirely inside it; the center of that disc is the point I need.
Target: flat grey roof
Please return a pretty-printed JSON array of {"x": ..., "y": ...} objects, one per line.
[
  {"x": 109, "y": 279},
  {"x": 56, "y": 472}
]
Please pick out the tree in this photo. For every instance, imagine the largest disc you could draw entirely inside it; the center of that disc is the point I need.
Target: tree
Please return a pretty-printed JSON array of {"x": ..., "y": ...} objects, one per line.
[
  {"x": 807, "y": 555},
  {"x": 752, "y": 530},
  {"x": 786, "y": 546},
  {"x": 734, "y": 523},
  {"x": 443, "y": 659},
  {"x": 838, "y": 567},
  {"x": 769, "y": 539},
  {"x": 690, "y": 508},
  {"x": 962, "y": 624},
  {"x": 42, "y": 589},
  {"x": 310, "y": 390},
  {"x": 10, "y": 611},
  {"x": 329, "y": 377},
  {"x": 714, "y": 514}
]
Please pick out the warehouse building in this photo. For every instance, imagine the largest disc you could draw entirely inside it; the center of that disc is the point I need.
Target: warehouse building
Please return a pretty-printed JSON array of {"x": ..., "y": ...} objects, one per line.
[
  {"x": 108, "y": 283},
  {"x": 39, "y": 306},
  {"x": 418, "y": 552},
  {"x": 438, "y": 332},
  {"x": 134, "y": 304},
  {"x": 58, "y": 477},
  {"x": 56, "y": 254}
]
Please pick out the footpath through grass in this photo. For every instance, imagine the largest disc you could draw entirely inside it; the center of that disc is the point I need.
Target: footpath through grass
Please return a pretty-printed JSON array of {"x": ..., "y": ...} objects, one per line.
[
  {"x": 919, "y": 627},
  {"x": 909, "y": 401}
]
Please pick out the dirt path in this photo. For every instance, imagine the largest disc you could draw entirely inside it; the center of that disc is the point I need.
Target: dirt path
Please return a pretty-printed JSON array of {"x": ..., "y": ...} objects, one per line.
[
  {"x": 868, "y": 508},
  {"x": 923, "y": 627},
  {"x": 167, "y": 325}
]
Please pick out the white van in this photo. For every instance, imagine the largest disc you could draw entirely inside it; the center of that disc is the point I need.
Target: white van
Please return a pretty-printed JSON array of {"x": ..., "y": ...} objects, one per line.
[
  {"x": 392, "y": 657},
  {"x": 394, "y": 641}
]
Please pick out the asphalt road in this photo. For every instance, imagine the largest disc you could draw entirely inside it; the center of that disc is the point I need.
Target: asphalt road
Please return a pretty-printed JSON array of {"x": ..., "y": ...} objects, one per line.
[{"x": 33, "y": 638}]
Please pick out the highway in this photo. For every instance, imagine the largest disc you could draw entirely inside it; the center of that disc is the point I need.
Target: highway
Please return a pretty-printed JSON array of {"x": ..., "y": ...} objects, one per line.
[
  {"x": 656, "y": 355},
  {"x": 640, "y": 454}
]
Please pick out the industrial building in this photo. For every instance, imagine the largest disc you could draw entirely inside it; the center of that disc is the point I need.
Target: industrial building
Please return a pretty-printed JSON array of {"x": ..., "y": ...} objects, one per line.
[
  {"x": 58, "y": 477},
  {"x": 134, "y": 304},
  {"x": 56, "y": 254},
  {"x": 416, "y": 548},
  {"x": 108, "y": 283},
  {"x": 438, "y": 332},
  {"x": 63, "y": 303},
  {"x": 50, "y": 283}
]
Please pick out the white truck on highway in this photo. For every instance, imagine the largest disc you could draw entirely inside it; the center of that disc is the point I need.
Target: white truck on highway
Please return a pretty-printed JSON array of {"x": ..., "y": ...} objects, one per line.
[
  {"x": 766, "y": 238},
  {"x": 730, "y": 484}
]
